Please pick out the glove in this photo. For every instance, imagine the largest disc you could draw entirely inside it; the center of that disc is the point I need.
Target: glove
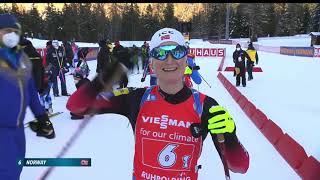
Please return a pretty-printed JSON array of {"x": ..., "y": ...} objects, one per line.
[
  {"x": 237, "y": 70},
  {"x": 43, "y": 127},
  {"x": 196, "y": 68},
  {"x": 112, "y": 73},
  {"x": 143, "y": 79},
  {"x": 221, "y": 122}
]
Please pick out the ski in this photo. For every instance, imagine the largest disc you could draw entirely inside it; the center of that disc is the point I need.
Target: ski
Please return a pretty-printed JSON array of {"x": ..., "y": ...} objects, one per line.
[{"x": 26, "y": 125}]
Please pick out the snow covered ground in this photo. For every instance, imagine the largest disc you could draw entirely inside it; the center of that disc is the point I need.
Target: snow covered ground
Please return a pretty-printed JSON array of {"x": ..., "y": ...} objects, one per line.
[
  {"x": 286, "y": 91},
  {"x": 302, "y": 40}
]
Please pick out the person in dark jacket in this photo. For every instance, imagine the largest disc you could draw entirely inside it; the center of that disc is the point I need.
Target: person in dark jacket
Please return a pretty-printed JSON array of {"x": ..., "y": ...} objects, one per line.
[
  {"x": 80, "y": 75},
  {"x": 122, "y": 55},
  {"x": 103, "y": 56},
  {"x": 239, "y": 57},
  {"x": 56, "y": 57},
  {"x": 36, "y": 60},
  {"x": 134, "y": 58},
  {"x": 68, "y": 53},
  {"x": 17, "y": 92},
  {"x": 149, "y": 71},
  {"x": 253, "y": 59},
  {"x": 145, "y": 54},
  {"x": 45, "y": 96}
]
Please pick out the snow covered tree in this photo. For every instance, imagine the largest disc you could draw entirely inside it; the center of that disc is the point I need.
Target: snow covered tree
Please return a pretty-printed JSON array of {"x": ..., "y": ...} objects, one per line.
[
  {"x": 216, "y": 19},
  {"x": 268, "y": 20},
  {"x": 239, "y": 24},
  {"x": 306, "y": 20}
]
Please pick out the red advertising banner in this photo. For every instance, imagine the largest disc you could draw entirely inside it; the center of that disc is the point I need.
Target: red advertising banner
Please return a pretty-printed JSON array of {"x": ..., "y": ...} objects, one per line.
[
  {"x": 199, "y": 52},
  {"x": 208, "y": 52},
  {"x": 42, "y": 52},
  {"x": 93, "y": 53},
  {"x": 297, "y": 51},
  {"x": 316, "y": 52}
]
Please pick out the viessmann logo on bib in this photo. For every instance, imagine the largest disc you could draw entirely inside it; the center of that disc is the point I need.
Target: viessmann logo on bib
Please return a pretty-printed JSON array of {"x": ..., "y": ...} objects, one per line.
[{"x": 164, "y": 121}]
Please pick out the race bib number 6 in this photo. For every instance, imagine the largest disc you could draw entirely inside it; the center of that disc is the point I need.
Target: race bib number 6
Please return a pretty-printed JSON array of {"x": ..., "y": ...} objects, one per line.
[{"x": 166, "y": 155}]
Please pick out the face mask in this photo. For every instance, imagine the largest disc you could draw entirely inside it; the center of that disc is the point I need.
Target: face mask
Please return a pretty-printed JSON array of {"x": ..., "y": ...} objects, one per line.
[
  {"x": 11, "y": 39},
  {"x": 56, "y": 46},
  {"x": 238, "y": 49}
]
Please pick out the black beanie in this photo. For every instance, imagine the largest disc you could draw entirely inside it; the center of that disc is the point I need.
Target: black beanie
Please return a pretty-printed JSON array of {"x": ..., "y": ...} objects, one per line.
[{"x": 9, "y": 21}]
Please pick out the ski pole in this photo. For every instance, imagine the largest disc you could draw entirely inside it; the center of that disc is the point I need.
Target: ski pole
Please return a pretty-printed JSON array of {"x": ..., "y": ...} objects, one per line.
[
  {"x": 221, "y": 145},
  {"x": 198, "y": 130},
  {"x": 205, "y": 80},
  {"x": 68, "y": 145}
]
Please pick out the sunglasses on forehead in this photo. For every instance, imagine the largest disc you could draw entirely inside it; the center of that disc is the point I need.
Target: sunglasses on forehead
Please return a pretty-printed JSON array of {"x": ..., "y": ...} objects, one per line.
[{"x": 161, "y": 53}]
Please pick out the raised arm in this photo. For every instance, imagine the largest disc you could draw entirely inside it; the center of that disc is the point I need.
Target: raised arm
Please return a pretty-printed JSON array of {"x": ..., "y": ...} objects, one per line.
[{"x": 85, "y": 100}]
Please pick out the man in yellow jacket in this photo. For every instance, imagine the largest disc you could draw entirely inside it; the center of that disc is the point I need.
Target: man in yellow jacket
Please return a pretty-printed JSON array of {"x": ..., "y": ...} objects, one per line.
[{"x": 253, "y": 59}]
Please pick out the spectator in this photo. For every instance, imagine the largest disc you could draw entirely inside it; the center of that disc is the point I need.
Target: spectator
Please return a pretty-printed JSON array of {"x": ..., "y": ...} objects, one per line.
[
  {"x": 56, "y": 57},
  {"x": 253, "y": 59},
  {"x": 239, "y": 57},
  {"x": 103, "y": 56},
  {"x": 67, "y": 49},
  {"x": 145, "y": 54},
  {"x": 17, "y": 93}
]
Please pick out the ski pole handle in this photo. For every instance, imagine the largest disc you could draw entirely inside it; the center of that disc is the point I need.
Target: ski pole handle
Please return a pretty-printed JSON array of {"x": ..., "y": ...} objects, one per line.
[{"x": 220, "y": 138}]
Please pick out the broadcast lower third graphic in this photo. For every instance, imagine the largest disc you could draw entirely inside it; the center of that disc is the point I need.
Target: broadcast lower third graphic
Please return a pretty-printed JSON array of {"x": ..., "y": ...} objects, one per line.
[{"x": 82, "y": 162}]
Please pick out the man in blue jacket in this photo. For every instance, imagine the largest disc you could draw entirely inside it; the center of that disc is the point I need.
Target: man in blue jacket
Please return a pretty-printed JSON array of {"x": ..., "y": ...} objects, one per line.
[{"x": 17, "y": 92}]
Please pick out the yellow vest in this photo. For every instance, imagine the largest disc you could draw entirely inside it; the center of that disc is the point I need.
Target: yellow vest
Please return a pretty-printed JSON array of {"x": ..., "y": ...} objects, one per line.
[{"x": 252, "y": 54}]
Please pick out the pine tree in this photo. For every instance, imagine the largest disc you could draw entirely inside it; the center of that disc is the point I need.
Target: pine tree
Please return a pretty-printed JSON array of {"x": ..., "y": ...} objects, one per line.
[
  {"x": 239, "y": 24},
  {"x": 268, "y": 21},
  {"x": 6, "y": 8},
  {"x": 102, "y": 22},
  {"x": 70, "y": 21},
  {"x": 158, "y": 9},
  {"x": 126, "y": 27},
  {"x": 316, "y": 18},
  {"x": 150, "y": 24},
  {"x": 17, "y": 13},
  {"x": 130, "y": 22},
  {"x": 85, "y": 22},
  {"x": 306, "y": 20},
  {"x": 115, "y": 21},
  {"x": 216, "y": 19},
  {"x": 34, "y": 22},
  {"x": 53, "y": 22},
  {"x": 282, "y": 19},
  {"x": 290, "y": 22},
  {"x": 169, "y": 20}
]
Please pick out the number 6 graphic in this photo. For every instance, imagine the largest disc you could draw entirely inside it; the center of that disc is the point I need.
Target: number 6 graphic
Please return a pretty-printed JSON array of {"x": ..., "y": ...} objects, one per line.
[{"x": 167, "y": 157}]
